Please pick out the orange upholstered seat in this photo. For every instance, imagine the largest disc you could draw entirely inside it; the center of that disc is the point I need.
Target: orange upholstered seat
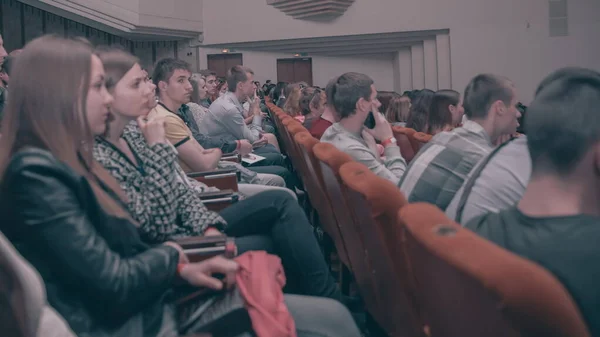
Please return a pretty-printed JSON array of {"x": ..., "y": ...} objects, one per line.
[
  {"x": 468, "y": 286},
  {"x": 373, "y": 205},
  {"x": 403, "y": 137}
]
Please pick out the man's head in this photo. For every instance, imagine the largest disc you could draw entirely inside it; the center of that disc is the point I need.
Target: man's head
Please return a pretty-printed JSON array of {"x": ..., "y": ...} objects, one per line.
[
  {"x": 3, "y": 53},
  {"x": 172, "y": 80},
  {"x": 5, "y": 69},
  {"x": 563, "y": 126},
  {"x": 493, "y": 99},
  {"x": 211, "y": 81},
  {"x": 353, "y": 94},
  {"x": 240, "y": 81}
]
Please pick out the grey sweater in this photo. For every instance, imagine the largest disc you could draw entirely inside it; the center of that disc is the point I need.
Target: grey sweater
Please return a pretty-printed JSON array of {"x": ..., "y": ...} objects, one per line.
[
  {"x": 392, "y": 168},
  {"x": 225, "y": 120}
]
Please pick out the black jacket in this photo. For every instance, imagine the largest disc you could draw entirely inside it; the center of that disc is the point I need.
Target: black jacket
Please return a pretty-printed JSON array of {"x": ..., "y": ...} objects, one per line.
[{"x": 98, "y": 273}]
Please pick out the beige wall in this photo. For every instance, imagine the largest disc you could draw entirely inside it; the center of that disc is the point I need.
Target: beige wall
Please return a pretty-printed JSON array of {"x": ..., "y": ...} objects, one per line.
[
  {"x": 264, "y": 66},
  {"x": 508, "y": 37}
]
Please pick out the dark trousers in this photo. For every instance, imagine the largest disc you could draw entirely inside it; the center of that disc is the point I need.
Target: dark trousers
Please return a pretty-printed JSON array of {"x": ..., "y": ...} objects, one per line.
[
  {"x": 273, "y": 163},
  {"x": 271, "y": 154},
  {"x": 273, "y": 221}
]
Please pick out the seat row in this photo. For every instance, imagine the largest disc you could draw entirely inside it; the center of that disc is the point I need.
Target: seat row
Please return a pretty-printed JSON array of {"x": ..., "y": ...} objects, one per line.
[{"x": 419, "y": 273}]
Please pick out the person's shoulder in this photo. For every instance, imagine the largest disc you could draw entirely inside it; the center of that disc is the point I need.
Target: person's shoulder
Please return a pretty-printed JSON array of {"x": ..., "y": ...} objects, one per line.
[
  {"x": 222, "y": 104},
  {"x": 35, "y": 164},
  {"x": 329, "y": 133},
  {"x": 158, "y": 111},
  {"x": 493, "y": 225},
  {"x": 33, "y": 157}
]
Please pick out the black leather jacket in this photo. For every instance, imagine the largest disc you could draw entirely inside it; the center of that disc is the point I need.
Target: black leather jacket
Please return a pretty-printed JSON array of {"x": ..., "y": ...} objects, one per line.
[{"x": 98, "y": 273}]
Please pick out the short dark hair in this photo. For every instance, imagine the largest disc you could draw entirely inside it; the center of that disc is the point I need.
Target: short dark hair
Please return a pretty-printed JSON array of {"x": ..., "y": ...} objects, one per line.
[
  {"x": 236, "y": 75},
  {"x": 419, "y": 109},
  {"x": 208, "y": 72},
  {"x": 347, "y": 90},
  {"x": 330, "y": 91},
  {"x": 562, "y": 121},
  {"x": 164, "y": 69},
  {"x": 439, "y": 112},
  {"x": 483, "y": 91}
]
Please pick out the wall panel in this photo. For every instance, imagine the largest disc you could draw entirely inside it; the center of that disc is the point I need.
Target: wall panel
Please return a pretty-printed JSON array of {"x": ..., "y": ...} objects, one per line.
[
  {"x": 11, "y": 24},
  {"x": 33, "y": 22}
]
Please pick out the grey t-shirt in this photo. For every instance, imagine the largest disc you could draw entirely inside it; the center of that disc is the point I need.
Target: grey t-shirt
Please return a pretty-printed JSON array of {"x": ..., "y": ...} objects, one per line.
[{"x": 497, "y": 182}]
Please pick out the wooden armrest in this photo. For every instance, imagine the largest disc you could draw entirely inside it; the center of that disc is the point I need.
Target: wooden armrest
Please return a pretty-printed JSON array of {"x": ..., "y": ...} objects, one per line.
[
  {"x": 212, "y": 173},
  {"x": 216, "y": 195},
  {"x": 216, "y": 201},
  {"x": 199, "y": 248},
  {"x": 225, "y": 179},
  {"x": 232, "y": 157},
  {"x": 193, "y": 242}
]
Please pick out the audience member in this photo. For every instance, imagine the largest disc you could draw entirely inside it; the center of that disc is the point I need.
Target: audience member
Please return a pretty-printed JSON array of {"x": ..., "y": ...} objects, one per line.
[
  {"x": 5, "y": 68},
  {"x": 225, "y": 116},
  {"x": 329, "y": 116},
  {"x": 497, "y": 182},
  {"x": 242, "y": 146},
  {"x": 398, "y": 110},
  {"x": 292, "y": 102},
  {"x": 211, "y": 87},
  {"x": 174, "y": 91},
  {"x": 160, "y": 199},
  {"x": 3, "y": 52},
  {"x": 445, "y": 112},
  {"x": 278, "y": 95},
  {"x": 312, "y": 105},
  {"x": 67, "y": 215},
  {"x": 222, "y": 87},
  {"x": 384, "y": 97},
  {"x": 442, "y": 165},
  {"x": 419, "y": 110},
  {"x": 354, "y": 98},
  {"x": 557, "y": 222}
]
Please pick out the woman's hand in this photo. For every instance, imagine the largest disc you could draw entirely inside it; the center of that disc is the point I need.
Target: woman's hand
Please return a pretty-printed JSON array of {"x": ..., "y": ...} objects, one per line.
[
  {"x": 212, "y": 232},
  {"x": 153, "y": 130},
  {"x": 201, "y": 274},
  {"x": 182, "y": 257}
]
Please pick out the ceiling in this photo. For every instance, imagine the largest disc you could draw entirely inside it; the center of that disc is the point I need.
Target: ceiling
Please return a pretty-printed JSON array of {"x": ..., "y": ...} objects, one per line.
[{"x": 345, "y": 45}]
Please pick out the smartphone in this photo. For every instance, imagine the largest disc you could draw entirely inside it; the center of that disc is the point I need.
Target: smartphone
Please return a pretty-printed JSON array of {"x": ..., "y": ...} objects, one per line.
[{"x": 370, "y": 121}]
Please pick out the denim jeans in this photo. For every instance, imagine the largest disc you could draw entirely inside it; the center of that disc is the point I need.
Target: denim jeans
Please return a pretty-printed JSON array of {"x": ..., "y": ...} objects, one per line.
[{"x": 273, "y": 221}]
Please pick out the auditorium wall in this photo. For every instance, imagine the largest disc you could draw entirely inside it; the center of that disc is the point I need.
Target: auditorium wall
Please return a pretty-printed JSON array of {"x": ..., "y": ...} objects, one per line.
[
  {"x": 509, "y": 37},
  {"x": 265, "y": 66},
  {"x": 20, "y": 23}
]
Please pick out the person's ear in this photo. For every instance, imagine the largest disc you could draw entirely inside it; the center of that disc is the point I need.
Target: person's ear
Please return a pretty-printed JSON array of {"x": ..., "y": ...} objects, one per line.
[
  {"x": 499, "y": 108},
  {"x": 362, "y": 105},
  {"x": 162, "y": 85},
  {"x": 452, "y": 109}
]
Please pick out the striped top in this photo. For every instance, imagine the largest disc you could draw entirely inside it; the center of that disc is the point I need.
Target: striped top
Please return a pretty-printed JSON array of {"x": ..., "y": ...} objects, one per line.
[{"x": 440, "y": 168}]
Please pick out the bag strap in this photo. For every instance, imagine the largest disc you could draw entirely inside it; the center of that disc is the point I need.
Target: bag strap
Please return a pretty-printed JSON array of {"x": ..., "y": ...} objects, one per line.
[{"x": 473, "y": 178}]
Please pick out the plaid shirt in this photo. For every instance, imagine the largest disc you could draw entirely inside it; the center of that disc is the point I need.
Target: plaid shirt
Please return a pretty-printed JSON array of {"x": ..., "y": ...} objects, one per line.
[{"x": 440, "y": 168}]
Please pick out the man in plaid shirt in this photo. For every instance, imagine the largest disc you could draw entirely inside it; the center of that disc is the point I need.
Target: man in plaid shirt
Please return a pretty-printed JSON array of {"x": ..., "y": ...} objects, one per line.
[{"x": 440, "y": 168}]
